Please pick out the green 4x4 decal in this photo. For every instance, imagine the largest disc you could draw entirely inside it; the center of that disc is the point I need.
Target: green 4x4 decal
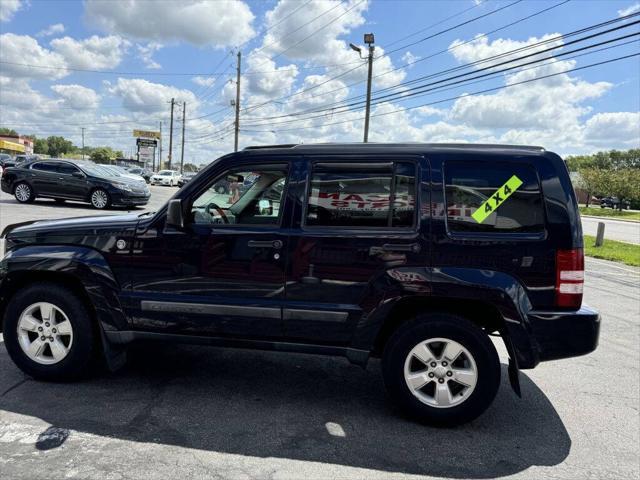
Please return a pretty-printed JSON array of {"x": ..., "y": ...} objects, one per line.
[{"x": 497, "y": 199}]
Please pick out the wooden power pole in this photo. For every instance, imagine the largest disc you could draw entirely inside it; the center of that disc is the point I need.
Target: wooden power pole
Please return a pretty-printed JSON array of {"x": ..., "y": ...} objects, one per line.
[{"x": 237, "y": 122}]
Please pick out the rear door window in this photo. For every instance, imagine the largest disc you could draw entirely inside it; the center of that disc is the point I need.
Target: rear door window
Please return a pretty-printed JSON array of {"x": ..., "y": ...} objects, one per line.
[
  {"x": 469, "y": 185},
  {"x": 45, "y": 166},
  {"x": 371, "y": 196}
]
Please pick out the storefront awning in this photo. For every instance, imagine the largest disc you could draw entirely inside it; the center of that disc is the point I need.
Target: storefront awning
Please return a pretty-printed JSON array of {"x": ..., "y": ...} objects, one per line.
[{"x": 11, "y": 146}]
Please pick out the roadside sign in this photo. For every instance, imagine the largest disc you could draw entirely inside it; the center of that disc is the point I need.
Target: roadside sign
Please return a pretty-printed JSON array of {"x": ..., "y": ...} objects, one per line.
[
  {"x": 146, "y": 142},
  {"x": 146, "y": 134}
]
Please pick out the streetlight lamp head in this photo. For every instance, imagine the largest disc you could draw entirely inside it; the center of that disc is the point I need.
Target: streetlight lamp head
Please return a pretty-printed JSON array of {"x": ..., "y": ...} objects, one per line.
[
  {"x": 368, "y": 38},
  {"x": 353, "y": 47}
]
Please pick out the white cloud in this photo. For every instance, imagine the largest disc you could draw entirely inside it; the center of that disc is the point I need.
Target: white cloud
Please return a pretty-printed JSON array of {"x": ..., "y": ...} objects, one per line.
[
  {"x": 8, "y": 9},
  {"x": 629, "y": 10},
  {"x": 613, "y": 130},
  {"x": 51, "y": 30},
  {"x": 146, "y": 52},
  {"x": 19, "y": 50},
  {"x": 96, "y": 53},
  {"x": 276, "y": 83},
  {"x": 204, "y": 81},
  {"x": 77, "y": 96},
  {"x": 200, "y": 22},
  {"x": 481, "y": 48},
  {"x": 409, "y": 58},
  {"x": 139, "y": 95}
]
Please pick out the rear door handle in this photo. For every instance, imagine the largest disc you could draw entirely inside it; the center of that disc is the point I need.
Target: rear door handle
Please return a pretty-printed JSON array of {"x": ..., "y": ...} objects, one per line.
[
  {"x": 395, "y": 247},
  {"x": 277, "y": 244}
]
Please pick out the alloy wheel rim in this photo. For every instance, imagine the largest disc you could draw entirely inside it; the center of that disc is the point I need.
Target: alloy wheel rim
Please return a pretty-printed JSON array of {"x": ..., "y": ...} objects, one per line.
[
  {"x": 23, "y": 192},
  {"x": 45, "y": 333},
  {"x": 440, "y": 372},
  {"x": 99, "y": 199}
]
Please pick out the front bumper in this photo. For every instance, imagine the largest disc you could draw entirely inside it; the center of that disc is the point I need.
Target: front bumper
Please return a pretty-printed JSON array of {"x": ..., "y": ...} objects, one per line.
[
  {"x": 565, "y": 334},
  {"x": 124, "y": 198}
]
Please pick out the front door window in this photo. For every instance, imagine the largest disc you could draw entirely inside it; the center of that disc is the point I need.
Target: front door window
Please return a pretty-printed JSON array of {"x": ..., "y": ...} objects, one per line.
[{"x": 246, "y": 196}]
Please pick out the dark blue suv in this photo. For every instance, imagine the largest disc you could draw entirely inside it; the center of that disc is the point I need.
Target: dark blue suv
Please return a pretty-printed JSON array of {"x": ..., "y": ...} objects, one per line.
[{"x": 411, "y": 253}]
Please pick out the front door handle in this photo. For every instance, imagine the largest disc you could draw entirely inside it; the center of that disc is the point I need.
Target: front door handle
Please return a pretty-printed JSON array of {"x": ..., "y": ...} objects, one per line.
[{"x": 276, "y": 244}]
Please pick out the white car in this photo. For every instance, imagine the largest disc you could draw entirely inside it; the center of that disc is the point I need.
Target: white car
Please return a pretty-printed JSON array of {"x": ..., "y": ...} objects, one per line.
[{"x": 165, "y": 177}]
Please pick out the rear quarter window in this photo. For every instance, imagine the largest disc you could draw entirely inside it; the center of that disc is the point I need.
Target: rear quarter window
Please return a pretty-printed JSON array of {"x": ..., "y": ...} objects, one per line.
[{"x": 468, "y": 185}]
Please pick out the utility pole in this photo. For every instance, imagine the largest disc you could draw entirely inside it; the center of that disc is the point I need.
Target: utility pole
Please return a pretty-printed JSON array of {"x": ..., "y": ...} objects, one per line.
[
  {"x": 184, "y": 111},
  {"x": 368, "y": 39},
  {"x": 237, "y": 122},
  {"x": 159, "y": 150},
  {"x": 173, "y": 102},
  {"x": 82, "y": 143}
]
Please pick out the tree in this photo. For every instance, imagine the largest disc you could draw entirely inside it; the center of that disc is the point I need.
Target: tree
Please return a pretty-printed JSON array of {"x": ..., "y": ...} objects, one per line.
[
  {"x": 593, "y": 181},
  {"x": 8, "y": 131},
  {"x": 612, "y": 159},
  {"x": 40, "y": 145},
  {"x": 59, "y": 146},
  {"x": 102, "y": 155},
  {"x": 190, "y": 167}
]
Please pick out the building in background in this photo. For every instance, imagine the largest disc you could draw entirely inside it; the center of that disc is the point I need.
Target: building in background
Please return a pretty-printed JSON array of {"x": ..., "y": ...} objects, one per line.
[{"x": 16, "y": 144}]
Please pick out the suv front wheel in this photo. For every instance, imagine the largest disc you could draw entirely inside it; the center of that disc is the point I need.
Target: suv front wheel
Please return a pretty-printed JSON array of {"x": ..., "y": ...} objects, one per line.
[
  {"x": 441, "y": 369},
  {"x": 48, "y": 332}
]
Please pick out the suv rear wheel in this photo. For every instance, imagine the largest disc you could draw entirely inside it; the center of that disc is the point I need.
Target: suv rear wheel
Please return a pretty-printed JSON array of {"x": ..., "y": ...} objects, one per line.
[
  {"x": 23, "y": 192},
  {"x": 441, "y": 369},
  {"x": 48, "y": 332}
]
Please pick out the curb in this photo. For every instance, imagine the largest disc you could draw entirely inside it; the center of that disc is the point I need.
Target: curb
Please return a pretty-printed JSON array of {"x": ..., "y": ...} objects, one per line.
[{"x": 611, "y": 218}]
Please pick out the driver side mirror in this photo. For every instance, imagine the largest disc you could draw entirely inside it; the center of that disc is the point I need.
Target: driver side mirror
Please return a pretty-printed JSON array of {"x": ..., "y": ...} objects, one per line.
[
  {"x": 175, "y": 216},
  {"x": 78, "y": 174}
]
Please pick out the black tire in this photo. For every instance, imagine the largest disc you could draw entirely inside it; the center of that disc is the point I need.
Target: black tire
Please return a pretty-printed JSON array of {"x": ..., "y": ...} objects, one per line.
[
  {"x": 93, "y": 199},
  {"x": 465, "y": 333},
  {"x": 77, "y": 361},
  {"x": 21, "y": 187}
]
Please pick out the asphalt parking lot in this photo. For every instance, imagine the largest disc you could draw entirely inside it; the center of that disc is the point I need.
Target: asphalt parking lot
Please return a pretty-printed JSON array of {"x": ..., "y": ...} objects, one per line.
[{"x": 195, "y": 412}]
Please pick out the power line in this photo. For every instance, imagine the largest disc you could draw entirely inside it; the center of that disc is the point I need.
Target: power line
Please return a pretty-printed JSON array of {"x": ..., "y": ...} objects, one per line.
[
  {"x": 424, "y": 58},
  {"x": 384, "y": 55},
  {"x": 488, "y": 90},
  {"x": 404, "y": 93}
]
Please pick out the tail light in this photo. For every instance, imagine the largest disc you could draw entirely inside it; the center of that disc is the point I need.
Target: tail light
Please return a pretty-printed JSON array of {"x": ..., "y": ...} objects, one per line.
[{"x": 569, "y": 278}]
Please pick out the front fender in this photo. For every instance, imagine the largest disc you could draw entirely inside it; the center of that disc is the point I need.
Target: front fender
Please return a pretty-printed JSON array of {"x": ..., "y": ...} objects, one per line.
[{"x": 84, "y": 264}]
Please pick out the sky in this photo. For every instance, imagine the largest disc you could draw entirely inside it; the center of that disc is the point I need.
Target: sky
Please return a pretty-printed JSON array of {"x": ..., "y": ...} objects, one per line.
[{"x": 112, "y": 66}]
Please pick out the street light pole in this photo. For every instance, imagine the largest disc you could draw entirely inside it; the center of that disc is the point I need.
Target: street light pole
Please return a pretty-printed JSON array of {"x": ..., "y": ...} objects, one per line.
[
  {"x": 82, "y": 143},
  {"x": 369, "y": 40}
]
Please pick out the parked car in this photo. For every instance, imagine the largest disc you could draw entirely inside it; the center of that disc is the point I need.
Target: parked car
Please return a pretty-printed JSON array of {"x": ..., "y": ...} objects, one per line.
[
  {"x": 614, "y": 202},
  {"x": 143, "y": 172},
  {"x": 122, "y": 172},
  {"x": 165, "y": 177},
  {"x": 415, "y": 255},
  {"x": 186, "y": 177},
  {"x": 63, "y": 180},
  {"x": 5, "y": 158},
  {"x": 18, "y": 159}
]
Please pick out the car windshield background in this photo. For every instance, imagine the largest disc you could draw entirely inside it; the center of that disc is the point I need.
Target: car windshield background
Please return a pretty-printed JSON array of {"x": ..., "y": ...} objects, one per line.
[
  {"x": 362, "y": 198},
  {"x": 165, "y": 173},
  {"x": 96, "y": 170},
  {"x": 242, "y": 196},
  {"x": 469, "y": 185}
]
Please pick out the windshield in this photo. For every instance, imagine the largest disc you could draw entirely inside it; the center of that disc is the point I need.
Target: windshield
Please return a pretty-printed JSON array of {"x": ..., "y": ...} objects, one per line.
[
  {"x": 165, "y": 173},
  {"x": 98, "y": 170}
]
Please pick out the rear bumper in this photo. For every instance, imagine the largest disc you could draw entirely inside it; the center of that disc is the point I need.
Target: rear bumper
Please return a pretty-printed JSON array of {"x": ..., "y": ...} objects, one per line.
[{"x": 564, "y": 334}]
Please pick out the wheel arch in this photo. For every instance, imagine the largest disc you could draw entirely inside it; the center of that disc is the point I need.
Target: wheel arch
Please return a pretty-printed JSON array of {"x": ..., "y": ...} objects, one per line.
[{"x": 482, "y": 314}]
